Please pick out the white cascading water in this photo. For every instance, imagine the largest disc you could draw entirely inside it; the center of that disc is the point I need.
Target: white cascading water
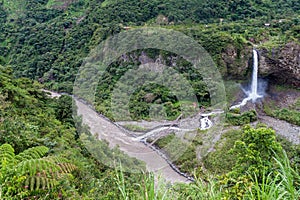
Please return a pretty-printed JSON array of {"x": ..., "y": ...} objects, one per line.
[
  {"x": 252, "y": 94},
  {"x": 205, "y": 122}
]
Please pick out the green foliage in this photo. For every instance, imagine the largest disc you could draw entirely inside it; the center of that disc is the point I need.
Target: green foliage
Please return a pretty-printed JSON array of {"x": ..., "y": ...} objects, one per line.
[
  {"x": 290, "y": 114},
  {"x": 149, "y": 187},
  {"x": 283, "y": 184},
  {"x": 201, "y": 189},
  {"x": 280, "y": 183},
  {"x": 43, "y": 126},
  {"x": 222, "y": 160},
  {"x": 101, "y": 151},
  {"x": 267, "y": 188},
  {"x": 29, "y": 170},
  {"x": 292, "y": 151},
  {"x": 133, "y": 127},
  {"x": 289, "y": 176},
  {"x": 256, "y": 149},
  {"x": 63, "y": 109},
  {"x": 255, "y": 152},
  {"x": 47, "y": 40},
  {"x": 7, "y": 153},
  {"x": 241, "y": 119},
  {"x": 164, "y": 141},
  {"x": 232, "y": 88},
  {"x": 181, "y": 153},
  {"x": 32, "y": 153},
  {"x": 150, "y": 94}
]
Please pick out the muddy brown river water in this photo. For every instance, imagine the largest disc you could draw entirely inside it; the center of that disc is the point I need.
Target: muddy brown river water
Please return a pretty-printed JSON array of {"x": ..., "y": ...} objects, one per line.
[{"x": 106, "y": 130}]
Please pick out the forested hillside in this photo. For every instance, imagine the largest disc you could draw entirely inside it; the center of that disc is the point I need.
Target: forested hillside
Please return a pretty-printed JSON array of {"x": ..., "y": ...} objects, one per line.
[
  {"x": 250, "y": 152},
  {"x": 40, "y": 153},
  {"x": 41, "y": 157},
  {"x": 47, "y": 40}
]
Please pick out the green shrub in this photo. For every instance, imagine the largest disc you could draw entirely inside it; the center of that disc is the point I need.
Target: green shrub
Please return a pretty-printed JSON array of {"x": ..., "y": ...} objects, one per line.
[
  {"x": 241, "y": 119},
  {"x": 182, "y": 154},
  {"x": 133, "y": 127},
  {"x": 222, "y": 160},
  {"x": 288, "y": 115}
]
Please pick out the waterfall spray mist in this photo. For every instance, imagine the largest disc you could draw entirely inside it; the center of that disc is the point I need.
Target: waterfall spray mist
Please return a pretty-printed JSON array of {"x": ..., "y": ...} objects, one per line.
[{"x": 253, "y": 93}]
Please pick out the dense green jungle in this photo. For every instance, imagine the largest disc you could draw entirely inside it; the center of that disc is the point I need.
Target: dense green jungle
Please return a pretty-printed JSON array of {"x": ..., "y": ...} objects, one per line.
[{"x": 249, "y": 152}]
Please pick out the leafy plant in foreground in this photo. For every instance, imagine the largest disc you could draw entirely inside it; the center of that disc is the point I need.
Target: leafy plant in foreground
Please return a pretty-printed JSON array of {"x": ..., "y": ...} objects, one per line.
[
  {"x": 29, "y": 171},
  {"x": 281, "y": 184}
]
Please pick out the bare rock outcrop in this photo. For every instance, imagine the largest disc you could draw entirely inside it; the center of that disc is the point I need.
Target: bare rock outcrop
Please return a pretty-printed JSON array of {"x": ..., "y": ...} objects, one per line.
[
  {"x": 237, "y": 62},
  {"x": 281, "y": 65}
]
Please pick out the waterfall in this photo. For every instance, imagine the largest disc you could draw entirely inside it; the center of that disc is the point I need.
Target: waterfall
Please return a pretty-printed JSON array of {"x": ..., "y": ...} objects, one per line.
[{"x": 252, "y": 94}]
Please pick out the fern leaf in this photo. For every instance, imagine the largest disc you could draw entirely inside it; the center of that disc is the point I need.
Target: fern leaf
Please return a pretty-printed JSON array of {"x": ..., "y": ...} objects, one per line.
[
  {"x": 43, "y": 180},
  {"x": 56, "y": 159},
  {"x": 7, "y": 154},
  {"x": 38, "y": 182},
  {"x": 32, "y": 181},
  {"x": 33, "y": 169},
  {"x": 32, "y": 153},
  {"x": 62, "y": 163},
  {"x": 67, "y": 167},
  {"x": 27, "y": 183},
  {"x": 33, "y": 166},
  {"x": 42, "y": 173},
  {"x": 48, "y": 183}
]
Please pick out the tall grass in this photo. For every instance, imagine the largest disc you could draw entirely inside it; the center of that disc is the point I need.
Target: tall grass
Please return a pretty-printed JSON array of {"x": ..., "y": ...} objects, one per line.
[
  {"x": 290, "y": 178},
  {"x": 283, "y": 183},
  {"x": 269, "y": 188},
  {"x": 154, "y": 189},
  {"x": 200, "y": 189},
  {"x": 120, "y": 180},
  {"x": 150, "y": 188}
]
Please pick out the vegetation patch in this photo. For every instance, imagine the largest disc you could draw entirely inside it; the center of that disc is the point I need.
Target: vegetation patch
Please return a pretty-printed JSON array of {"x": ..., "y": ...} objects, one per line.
[
  {"x": 15, "y": 9},
  {"x": 148, "y": 99},
  {"x": 40, "y": 154},
  {"x": 290, "y": 114},
  {"x": 222, "y": 159},
  {"x": 182, "y": 154},
  {"x": 133, "y": 127},
  {"x": 237, "y": 119}
]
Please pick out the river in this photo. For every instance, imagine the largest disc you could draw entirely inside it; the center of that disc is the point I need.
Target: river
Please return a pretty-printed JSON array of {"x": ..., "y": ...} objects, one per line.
[{"x": 110, "y": 132}]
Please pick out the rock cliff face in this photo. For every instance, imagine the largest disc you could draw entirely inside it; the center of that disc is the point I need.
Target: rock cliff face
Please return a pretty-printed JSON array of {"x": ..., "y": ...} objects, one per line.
[
  {"x": 236, "y": 64},
  {"x": 281, "y": 65},
  {"x": 233, "y": 62}
]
